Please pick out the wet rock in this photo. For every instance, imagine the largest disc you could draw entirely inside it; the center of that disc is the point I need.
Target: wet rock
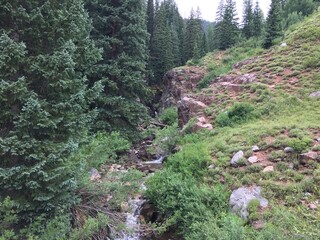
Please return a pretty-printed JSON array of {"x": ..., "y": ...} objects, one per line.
[
  {"x": 315, "y": 94},
  {"x": 253, "y": 159},
  {"x": 288, "y": 150},
  {"x": 94, "y": 175},
  {"x": 255, "y": 148},
  {"x": 268, "y": 169},
  {"x": 240, "y": 199},
  {"x": 149, "y": 212},
  {"x": 236, "y": 158}
]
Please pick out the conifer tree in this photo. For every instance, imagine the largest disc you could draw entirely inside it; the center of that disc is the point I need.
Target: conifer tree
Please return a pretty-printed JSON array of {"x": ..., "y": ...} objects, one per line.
[
  {"x": 45, "y": 53},
  {"x": 218, "y": 23},
  {"x": 274, "y": 28},
  {"x": 210, "y": 38},
  {"x": 248, "y": 19},
  {"x": 193, "y": 35},
  {"x": 120, "y": 30},
  {"x": 150, "y": 17},
  {"x": 167, "y": 42},
  {"x": 229, "y": 29},
  {"x": 258, "y": 21}
]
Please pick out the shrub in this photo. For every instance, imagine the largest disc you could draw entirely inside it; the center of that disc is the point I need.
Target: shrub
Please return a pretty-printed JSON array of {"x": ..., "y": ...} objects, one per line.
[
  {"x": 299, "y": 145},
  {"x": 103, "y": 148},
  {"x": 238, "y": 113},
  {"x": 169, "y": 116},
  {"x": 182, "y": 202},
  {"x": 191, "y": 161}
]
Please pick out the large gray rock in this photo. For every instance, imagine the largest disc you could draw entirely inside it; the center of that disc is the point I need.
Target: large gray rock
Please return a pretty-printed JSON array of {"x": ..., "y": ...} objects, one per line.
[
  {"x": 315, "y": 94},
  {"x": 241, "y": 197},
  {"x": 236, "y": 158}
]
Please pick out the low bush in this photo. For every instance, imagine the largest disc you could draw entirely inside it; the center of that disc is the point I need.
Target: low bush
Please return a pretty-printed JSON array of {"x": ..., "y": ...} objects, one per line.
[
  {"x": 182, "y": 202},
  {"x": 238, "y": 113},
  {"x": 191, "y": 161},
  {"x": 169, "y": 116}
]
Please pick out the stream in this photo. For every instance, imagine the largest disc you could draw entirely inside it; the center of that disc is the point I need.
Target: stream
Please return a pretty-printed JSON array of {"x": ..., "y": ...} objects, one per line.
[{"x": 135, "y": 204}]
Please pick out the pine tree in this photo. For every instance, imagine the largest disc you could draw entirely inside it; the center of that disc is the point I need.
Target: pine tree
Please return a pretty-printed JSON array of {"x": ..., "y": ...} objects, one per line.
[
  {"x": 167, "y": 43},
  {"x": 248, "y": 19},
  {"x": 193, "y": 35},
  {"x": 150, "y": 17},
  {"x": 274, "y": 28},
  {"x": 218, "y": 22},
  {"x": 120, "y": 30},
  {"x": 229, "y": 29},
  {"x": 210, "y": 38},
  {"x": 45, "y": 53},
  {"x": 258, "y": 21}
]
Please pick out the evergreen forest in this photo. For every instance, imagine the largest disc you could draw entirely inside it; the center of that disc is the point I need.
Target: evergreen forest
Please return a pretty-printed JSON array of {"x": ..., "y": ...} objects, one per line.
[{"x": 94, "y": 92}]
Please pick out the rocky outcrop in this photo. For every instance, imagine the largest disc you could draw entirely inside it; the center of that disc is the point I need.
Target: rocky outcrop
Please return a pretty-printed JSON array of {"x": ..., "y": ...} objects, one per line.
[
  {"x": 245, "y": 62},
  {"x": 178, "y": 82}
]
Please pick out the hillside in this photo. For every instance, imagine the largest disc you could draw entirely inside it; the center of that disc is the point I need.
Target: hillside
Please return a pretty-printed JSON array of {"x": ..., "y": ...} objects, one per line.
[{"x": 265, "y": 110}]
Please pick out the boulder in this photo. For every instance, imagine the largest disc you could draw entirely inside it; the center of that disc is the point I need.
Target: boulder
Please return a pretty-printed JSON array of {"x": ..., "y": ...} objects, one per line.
[
  {"x": 315, "y": 94},
  {"x": 236, "y": 158},
  {"x": 255, "y": 148},
  {"x": 288, "y": 150},
  {"x": 241, "y": 197},
  {"x": 253, "y": 159},
  {"x": 188, "y": 108}
]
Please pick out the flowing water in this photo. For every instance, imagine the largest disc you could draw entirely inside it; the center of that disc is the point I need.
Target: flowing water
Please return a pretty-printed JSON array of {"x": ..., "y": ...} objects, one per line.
[{"x": 133, "y": 214}]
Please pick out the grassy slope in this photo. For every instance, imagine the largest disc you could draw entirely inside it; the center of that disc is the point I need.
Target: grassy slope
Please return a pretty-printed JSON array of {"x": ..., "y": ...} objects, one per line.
[{"x": 287, "y": 117}]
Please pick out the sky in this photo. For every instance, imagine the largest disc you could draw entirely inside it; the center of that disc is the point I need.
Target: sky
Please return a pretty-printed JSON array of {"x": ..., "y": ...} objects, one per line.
[{"x": 208, "y": 8}]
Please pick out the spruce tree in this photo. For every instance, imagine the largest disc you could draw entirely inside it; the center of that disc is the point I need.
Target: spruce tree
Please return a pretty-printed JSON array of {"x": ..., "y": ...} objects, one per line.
[
  {"x": 167, "y": 42},
  {"x": 210, "y": 38},
  {"x": 120, "y": 30},
  {"x": 274, "y": 28},
  {"x": 258, "y": 21},
  {"x": 150, "y": 17},
  {"x": 248, "y": 19},
  {"x": 45, "y": 53},
  {"x": 229, "y": 30},
  {"x": 218, "y": 23},
  {"x": 193, "y": 35}
]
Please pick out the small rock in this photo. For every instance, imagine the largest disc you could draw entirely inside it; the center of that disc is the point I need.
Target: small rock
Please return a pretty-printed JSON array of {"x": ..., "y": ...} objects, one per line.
[
  {"x": 212, "y": 166},
  {"x": 268, "y": 169},
  {"x": 253, "y": 159},
  {"x": 318, "y": 139},
  {"x": 94, "y": 174},
  {"x": 241, "y": 197},
  {"x": 288, "y": 150},
  {"x": 283, "y": 44},
  {"x": 315, "y": 94},
  {"x": 291, "y": 166},
  {"x": 310, "y": 156},
  {"x": 255, "y": 148},
  {"x": 312, "y": 206},
  {"x": 124, "y": 207},
  {"x": 236, "y": 158}
]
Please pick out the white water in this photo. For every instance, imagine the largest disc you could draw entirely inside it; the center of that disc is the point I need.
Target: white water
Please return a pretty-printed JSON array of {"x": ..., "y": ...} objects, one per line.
[
  {"x": 158, "y": 161},
  {"x": 132, "y": 220}
]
